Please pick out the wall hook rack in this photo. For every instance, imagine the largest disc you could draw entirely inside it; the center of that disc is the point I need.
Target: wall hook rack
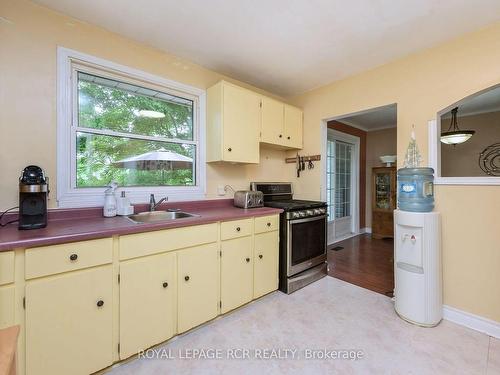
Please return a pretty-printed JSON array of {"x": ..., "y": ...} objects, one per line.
[{"x": 305, "y": 158}]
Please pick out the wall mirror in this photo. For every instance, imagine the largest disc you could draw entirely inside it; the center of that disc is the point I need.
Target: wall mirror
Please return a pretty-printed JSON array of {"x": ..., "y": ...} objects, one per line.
[{"x": 467, "y": 135}]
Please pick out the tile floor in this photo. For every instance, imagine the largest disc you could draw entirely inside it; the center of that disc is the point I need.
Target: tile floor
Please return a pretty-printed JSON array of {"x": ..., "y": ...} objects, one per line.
[{"x": 329, "y": 314}]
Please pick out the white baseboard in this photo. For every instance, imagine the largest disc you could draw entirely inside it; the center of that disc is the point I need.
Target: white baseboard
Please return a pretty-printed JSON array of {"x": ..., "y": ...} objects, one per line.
[
  {"x": 365, "y": 230},
  {"x": 475, "y": 322}
]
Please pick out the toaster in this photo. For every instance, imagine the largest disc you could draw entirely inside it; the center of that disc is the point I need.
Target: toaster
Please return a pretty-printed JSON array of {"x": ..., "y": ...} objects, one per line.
[{"x": 248, "y": 199}]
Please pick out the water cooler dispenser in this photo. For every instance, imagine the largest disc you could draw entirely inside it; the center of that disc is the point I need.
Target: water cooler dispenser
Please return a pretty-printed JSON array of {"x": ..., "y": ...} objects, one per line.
[
  {"x": 417, "y": 249},
  {"x": 417, "y": 267}
]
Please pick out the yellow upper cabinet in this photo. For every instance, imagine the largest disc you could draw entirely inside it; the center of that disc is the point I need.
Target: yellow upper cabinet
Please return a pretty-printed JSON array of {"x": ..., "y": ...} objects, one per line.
[
  {"x": 272, "y": 121},
  {"x": 293, "y": 127},
  {"x": 281, "y": 124},
  {"x": 233, "y": 124},
  {"x": 239, "y": 119}
]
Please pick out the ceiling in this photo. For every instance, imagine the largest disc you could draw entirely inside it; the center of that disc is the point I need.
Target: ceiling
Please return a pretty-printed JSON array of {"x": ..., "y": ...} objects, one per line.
[
  {"x": 373, "y": 119},
  {"x": 486, "y": 102},
  {"x": 286, "y": 46}
]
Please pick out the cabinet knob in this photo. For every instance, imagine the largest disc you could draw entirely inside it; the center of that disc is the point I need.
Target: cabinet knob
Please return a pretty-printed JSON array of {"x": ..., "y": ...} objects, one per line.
[
  {"x": 73, "y": 257},
  {"x": 100, "y": 303},
  {"x": 261, "y": 256},
  {"x": 230, "y": 149},
  {"x": 165, "y": 284},
  {"x": 281, "y": 135},
  {"x": 288, "y": 137},
  {"x": 268, "y": 224},
  {"x": 248, "y": 260},
  {"x": 186, "y": 278},
  {"x": 238, "y": 229}
]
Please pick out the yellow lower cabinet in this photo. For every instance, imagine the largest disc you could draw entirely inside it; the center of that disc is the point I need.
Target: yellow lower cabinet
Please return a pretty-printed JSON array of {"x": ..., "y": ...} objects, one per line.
[
  {"x": 148, "y": 296},
  {"x": 236, "y": 273},
  {"x": 7, "y": 306},
  {"x": 198, "y": 285},
  {"x": 69, "y": 322},
  {"x": 265, "y": 263}
]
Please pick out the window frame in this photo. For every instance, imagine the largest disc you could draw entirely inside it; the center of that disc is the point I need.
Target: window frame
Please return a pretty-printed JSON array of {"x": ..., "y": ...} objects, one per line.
[
  {"x": 434, "y": 144},
  {"x": 69, "y": 62}
]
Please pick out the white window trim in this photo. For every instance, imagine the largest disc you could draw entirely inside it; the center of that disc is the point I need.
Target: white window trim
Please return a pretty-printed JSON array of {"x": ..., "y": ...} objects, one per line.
[
  {"x": 435, "y": 162},
  {"x": 67, "y": 194}
]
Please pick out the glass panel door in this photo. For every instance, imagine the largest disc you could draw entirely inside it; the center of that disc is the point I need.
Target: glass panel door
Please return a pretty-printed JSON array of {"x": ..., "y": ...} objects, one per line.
[{"x": 339, "y": 187}]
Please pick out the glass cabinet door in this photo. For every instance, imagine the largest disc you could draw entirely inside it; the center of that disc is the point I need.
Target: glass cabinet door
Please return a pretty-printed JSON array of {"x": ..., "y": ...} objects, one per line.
[{"x": 383, "y": 190}]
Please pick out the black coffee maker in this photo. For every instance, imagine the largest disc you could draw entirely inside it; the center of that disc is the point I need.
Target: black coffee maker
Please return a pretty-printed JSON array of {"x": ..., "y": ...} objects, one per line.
[{"x": 33, "y": 192}]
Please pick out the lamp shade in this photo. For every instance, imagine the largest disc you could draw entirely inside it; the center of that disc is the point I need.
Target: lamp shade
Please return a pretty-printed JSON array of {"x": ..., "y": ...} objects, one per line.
[{"x": 456, "y": 137}]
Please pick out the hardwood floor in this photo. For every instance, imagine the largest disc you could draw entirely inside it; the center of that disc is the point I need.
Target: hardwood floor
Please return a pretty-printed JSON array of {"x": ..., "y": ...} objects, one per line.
[{"x": 365, "y": 262}]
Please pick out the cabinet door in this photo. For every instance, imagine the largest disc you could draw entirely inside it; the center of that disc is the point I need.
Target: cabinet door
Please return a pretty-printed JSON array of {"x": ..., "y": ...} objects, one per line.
[
  {"x": 69, "y": 322},
  {"x": 148, "y": 296},
  {"x": 293, "y": 127},
  {"x": 241, "y": 117},
  {"x": 6, "y": 306},
  {"x": 265, "y": 263},
  {"x": 236, "y": 273},
  {"x": 198, "y": 284},
  {"x": 272, "y": 126}
]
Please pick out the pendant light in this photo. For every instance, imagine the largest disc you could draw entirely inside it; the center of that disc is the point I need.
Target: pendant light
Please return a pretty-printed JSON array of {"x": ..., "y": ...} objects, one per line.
[{"x": 454, "y": 136}]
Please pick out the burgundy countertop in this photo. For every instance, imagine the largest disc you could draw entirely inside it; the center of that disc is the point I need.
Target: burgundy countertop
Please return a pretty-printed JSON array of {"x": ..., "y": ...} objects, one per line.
[{"x": 69, "y": 225}]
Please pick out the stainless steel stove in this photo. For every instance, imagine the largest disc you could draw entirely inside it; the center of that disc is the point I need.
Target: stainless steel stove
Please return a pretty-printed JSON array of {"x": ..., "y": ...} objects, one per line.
[{"x": 302, "y": 235}]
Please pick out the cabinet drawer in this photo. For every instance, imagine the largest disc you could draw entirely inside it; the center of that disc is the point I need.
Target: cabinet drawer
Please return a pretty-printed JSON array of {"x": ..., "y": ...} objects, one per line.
[
  {"x": 266, "y": 223},
  {"x": 49, "y": 260},
  {"x": 6, "y": 267},
  {"x": 235, "y": 228},
  {"x": 137, "y": 245}
]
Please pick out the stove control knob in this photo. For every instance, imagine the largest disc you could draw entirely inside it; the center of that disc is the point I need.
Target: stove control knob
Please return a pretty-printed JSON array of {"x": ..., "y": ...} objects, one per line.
[
  {"x": 317, "y": 211},
  {"x": 302, "y": 213},
  {"x": 310, "y": 212},
  {"x": 295, "y": 214}
]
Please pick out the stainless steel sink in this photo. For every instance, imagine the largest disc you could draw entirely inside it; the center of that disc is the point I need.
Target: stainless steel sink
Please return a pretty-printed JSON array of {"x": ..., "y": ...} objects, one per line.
[{"x": 156, "y": 216}]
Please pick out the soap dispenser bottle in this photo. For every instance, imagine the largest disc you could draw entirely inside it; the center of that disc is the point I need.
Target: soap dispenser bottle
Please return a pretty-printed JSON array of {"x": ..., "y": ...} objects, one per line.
[{"x": 109, "y": 209}]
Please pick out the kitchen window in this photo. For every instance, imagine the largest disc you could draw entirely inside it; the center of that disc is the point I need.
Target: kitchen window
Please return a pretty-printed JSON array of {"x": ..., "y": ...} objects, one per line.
[{"x": 120, "y": 124}]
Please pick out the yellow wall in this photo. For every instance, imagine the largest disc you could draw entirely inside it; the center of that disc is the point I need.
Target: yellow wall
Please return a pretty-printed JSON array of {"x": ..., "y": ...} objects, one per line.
[
  {"x": 421, "y": 85},
  {"x": 29, "y": 35}
]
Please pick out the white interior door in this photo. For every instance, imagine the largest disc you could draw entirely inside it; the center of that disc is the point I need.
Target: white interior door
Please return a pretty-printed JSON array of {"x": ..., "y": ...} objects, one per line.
[{"x": 342, "y": 185}]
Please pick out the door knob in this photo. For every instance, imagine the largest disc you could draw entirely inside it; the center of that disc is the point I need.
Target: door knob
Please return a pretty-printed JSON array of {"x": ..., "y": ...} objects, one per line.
[{"x": 165, "y": 284}]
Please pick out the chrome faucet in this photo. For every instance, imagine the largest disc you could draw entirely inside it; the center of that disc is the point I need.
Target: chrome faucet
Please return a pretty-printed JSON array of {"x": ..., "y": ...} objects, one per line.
[{"x": 153, "y": 204}]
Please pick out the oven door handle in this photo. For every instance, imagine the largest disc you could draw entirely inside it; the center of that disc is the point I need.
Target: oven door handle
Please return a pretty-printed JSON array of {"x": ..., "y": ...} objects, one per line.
[{"x": 307, "y": 219}]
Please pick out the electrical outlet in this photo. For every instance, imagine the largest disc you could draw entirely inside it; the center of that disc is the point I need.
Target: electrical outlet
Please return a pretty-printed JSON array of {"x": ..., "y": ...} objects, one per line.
[{"x": 221, "y": 190}]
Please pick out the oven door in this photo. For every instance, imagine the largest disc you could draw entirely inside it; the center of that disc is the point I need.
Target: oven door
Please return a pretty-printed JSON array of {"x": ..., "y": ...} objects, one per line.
[{"x": 306, "y": 243}]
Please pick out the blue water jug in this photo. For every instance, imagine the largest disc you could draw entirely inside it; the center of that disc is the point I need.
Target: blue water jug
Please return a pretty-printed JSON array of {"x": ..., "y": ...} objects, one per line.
[{"x": 416, "y": 189}]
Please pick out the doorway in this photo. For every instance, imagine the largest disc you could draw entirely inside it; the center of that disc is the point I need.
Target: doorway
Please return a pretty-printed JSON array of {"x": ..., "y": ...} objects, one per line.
[{"x": 355, "y": 150}]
